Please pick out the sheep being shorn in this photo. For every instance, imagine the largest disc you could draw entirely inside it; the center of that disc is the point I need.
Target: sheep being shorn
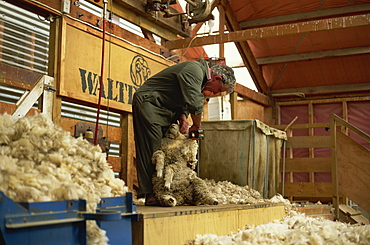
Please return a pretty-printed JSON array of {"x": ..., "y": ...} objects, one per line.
[
  {"x": 175, "y": 181},
  {"x": 41, "y": 162}
]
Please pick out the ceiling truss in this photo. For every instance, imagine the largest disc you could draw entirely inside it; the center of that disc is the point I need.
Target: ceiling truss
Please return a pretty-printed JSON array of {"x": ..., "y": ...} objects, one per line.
[
  {"x": 319, "y": 14},
  {"x": 274, "y": 31},
  {"x": 293, "y": 24},
  {"x": 313, "y": 55}
]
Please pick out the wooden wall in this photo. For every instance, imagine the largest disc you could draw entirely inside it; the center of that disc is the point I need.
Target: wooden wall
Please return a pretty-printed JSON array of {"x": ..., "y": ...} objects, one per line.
[
  {"x": 249, "y": 104},
  {"x": 248, "y": 109}
]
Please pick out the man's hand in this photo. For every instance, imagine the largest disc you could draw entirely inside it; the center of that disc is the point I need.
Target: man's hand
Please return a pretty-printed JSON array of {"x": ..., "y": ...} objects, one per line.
[{"x": 184, "y": 124}]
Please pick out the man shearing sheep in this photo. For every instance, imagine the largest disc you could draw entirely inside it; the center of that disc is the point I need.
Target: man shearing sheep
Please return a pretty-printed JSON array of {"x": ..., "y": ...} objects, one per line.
[{"x": 169, "y": 97}]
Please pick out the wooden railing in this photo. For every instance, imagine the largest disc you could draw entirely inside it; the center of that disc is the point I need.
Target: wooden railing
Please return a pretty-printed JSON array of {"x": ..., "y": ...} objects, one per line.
[
  {"x": 310, "y": 190},
  {"x": 350, "y": 166},
  {"x": 348, "y": 163}
]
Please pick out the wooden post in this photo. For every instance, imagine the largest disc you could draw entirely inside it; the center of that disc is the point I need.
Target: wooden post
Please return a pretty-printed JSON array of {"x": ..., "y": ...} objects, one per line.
[
  {"x": 334, "y": 171},
  {"x": 345, "y": 131},
  {"x": 205, "y": 116},
  {"x": 234, "y": 105},
  {"x": 221, "y": 29},
  {"x": 311, "y": 151},
  {"x": 345, "y": 116},
  {"x": 289, "y": 154},
  {"x": 56, "y": 53},
  {"x": 127, "y": 150}
]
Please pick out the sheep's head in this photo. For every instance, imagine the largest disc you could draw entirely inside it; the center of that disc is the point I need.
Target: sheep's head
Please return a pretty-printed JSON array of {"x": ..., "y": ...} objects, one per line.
[{"x": 173, "y": 132}]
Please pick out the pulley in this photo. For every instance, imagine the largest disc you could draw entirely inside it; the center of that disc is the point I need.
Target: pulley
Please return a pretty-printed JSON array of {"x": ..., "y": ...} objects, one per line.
[{"x": 198, "y": 10}]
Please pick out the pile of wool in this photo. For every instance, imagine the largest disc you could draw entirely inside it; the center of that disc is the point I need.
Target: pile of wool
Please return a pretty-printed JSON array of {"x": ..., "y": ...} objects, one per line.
[
  {"x": 228, "y": 193},
  {"x": 41, "y": 162},
  {"x": 295, "y": 228}
]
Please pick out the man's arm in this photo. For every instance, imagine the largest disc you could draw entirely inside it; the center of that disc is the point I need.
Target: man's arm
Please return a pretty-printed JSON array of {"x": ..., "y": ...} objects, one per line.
[{"x": 196, "y": 122}]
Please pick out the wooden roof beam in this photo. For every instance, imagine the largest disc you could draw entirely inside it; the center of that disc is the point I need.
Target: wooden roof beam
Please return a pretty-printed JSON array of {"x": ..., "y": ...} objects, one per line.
[
  {"x": 245, "y": 51},
  {"x": 318, "y": 14},
  {"x": 313, "y": 55},
  {"x": 139, "y": 16},
  {"x": 242, "y": 47},
  {"x": 252, "y": 66},
  {"x": 343, "y": 88},
  {"x": 274, "y": 31},
  {"x": 248, "y": 93}
]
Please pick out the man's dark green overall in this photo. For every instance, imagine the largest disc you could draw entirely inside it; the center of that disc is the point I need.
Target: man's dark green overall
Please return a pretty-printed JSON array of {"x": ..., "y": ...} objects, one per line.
[{"x": 159, "y": 102}]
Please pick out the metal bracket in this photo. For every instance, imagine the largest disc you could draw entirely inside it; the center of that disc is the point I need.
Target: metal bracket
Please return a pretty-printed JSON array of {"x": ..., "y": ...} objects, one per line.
[{"x": 50, "y": 88}]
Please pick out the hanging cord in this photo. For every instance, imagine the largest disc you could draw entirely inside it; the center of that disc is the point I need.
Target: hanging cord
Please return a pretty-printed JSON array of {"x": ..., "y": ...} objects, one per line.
[{"x": 101, "y": 74}]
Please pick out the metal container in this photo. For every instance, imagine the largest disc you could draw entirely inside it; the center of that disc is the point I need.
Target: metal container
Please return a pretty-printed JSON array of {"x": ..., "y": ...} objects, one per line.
[{"x": 64, "y": 222}]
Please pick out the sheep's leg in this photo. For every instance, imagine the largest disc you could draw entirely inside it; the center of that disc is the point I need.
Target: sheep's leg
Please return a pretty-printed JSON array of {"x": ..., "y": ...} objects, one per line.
[
  {"x": 168, "y": 177},
  {"x": 158, "y": 160},
  {"x": 201, "y": 193}
]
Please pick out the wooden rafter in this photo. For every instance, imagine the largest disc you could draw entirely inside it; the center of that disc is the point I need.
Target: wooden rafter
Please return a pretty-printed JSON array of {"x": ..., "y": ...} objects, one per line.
[
  {"x": 318, "y": 14},
  {"x": 131, "y": 10},
  {"x": 248, "y": 93},
  {"x": 274, "y": 31},
  {"x": 245, "y": 51},
  {"x": 243, "y": 47},
  {"x": 313, "y": 55},
  {"x": 134, "y": 11},
  {"x": 345, "y": 88},
  {"x": 221, "y": 29}
]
